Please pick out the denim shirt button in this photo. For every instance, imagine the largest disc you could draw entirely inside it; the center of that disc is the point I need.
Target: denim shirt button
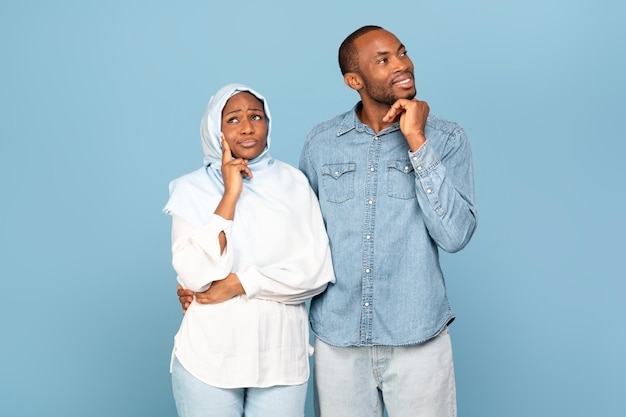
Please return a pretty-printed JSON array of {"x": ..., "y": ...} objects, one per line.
[
  {"x": 381, "y": 198},
  {"x": 366, "y": 304},
  {"x": 428, "y": 190}
]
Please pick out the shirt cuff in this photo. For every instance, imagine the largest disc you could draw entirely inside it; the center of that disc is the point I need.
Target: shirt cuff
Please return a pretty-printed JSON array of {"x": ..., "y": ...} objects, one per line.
[
  {"x": 250, "y": 282},
  {"x": 425, "y": 160}
]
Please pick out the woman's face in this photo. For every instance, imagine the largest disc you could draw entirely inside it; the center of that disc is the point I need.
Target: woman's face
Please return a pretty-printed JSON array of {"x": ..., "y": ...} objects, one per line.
[{"x": 244, "y": 125}]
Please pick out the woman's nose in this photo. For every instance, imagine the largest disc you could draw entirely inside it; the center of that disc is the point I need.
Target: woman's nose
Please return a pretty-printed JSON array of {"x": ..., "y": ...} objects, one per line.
[{"x": 247, "y": 127}]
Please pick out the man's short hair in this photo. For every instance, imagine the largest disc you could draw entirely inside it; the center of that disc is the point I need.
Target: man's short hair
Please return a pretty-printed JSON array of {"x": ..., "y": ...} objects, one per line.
[{"x": 348, "y": 53}]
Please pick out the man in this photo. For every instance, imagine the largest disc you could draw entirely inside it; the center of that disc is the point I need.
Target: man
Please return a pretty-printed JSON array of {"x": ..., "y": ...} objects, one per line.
[{"x": 394, "y": 185}]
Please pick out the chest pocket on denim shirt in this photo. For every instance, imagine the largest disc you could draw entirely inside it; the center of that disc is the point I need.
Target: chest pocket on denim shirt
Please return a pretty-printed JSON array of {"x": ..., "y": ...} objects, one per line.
[
  {"x": 338, "y": 181},
  {"x": 400, "y": 179}
]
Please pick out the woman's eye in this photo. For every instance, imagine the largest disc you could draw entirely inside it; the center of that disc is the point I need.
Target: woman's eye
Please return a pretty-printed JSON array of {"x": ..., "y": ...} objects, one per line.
[
  {"x": 256, "y": 117},
  {"x": 233, "y": 120}
]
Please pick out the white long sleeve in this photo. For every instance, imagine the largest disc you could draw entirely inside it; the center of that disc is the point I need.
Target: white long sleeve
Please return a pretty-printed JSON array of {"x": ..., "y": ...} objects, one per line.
[
  {"x": 278, "y": 247},
  {"x": 305, "y": 269},
  {"x": 196, "y": 256}
]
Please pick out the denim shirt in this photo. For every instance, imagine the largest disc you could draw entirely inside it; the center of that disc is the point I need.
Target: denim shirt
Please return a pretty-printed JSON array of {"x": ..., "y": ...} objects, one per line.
[{"x": 387, "y": 213}]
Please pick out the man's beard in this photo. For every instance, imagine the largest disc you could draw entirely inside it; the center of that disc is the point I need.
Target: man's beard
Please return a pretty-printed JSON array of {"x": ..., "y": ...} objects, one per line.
[{"x": 383, "y": 95}]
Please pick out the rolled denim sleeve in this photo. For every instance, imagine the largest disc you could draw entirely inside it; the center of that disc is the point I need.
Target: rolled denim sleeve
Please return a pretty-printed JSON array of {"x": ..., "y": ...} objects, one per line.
[{"x": 444, "y": 183}]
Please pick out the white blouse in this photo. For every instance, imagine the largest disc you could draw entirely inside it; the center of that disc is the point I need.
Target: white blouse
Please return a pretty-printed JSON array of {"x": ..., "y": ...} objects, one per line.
[{"x": 259, "y": 339}]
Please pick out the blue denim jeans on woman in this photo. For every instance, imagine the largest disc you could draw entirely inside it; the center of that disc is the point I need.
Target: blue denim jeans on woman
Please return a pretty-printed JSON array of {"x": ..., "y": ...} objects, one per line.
[{"x": 194, "y": 398}]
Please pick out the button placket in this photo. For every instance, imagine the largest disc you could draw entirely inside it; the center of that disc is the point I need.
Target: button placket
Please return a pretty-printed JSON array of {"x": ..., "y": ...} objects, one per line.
[{"x": 367, "y": 284}]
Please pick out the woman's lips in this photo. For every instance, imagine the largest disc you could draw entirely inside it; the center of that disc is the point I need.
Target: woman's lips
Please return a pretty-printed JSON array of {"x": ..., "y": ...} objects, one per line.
[{"x": 248, "y": 143}]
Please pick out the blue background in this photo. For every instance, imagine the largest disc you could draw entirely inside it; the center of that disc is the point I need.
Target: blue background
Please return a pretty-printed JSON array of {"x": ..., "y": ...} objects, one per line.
[{"x": 100, "y": 104}]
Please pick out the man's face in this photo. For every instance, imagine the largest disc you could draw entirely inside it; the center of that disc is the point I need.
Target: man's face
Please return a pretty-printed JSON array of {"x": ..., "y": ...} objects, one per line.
[{"x": 385, "y": 68}]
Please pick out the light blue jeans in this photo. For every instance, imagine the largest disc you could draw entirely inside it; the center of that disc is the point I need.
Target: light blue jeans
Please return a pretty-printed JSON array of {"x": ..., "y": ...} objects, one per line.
[
  {"x": 194, "y": 398},
  {"x": 409, "y": 381}
]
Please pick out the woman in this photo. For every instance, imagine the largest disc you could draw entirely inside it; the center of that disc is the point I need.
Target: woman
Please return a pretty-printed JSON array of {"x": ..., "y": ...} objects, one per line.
[{"x": 249, "y": 239}]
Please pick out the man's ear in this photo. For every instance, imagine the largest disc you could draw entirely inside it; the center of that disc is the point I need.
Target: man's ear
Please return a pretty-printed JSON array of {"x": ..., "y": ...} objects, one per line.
[{"x": 353, "y": 80}]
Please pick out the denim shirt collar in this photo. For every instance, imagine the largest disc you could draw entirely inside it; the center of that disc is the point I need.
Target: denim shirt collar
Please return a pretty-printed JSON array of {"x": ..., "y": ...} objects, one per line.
[
  {"x": 351, "y": 121},
  {"x": 387, "y": 213}
]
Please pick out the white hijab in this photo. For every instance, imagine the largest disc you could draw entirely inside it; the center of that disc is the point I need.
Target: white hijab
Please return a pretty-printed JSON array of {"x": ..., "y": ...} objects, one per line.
[
  {"x": 211, "y": 125},
  {"x": 189, "y": 204},
  {"x": 277, "y": 224}
]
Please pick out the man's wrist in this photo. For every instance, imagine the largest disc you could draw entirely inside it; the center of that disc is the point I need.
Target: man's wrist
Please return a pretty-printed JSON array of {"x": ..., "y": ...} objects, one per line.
[{"x": 415, "y": 141}]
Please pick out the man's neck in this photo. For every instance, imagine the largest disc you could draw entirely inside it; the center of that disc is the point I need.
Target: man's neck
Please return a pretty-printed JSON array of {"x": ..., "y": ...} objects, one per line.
[{"x": 372, "y": 115}]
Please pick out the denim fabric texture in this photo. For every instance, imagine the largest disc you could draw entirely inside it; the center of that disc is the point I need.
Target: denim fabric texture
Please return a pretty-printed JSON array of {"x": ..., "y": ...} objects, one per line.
[
  {"x": 194, "y": 398},
  {"x": 407, "y": 381},
  {"x": 387, "y": 212}
]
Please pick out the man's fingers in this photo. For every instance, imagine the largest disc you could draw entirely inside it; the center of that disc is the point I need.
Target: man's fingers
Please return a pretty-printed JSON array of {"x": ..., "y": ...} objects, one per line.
[
  {"x": 392, "y": 113},
  {"x": 182, "y": 292},
  {"x": 396, "y": 108},
  {"x": 404, "y": 105}
]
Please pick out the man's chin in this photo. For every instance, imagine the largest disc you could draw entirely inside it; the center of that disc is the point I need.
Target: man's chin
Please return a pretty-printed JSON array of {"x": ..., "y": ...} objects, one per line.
[
  {"x": 406, "y": 95},
  {"x": 409, "y": 95}
]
